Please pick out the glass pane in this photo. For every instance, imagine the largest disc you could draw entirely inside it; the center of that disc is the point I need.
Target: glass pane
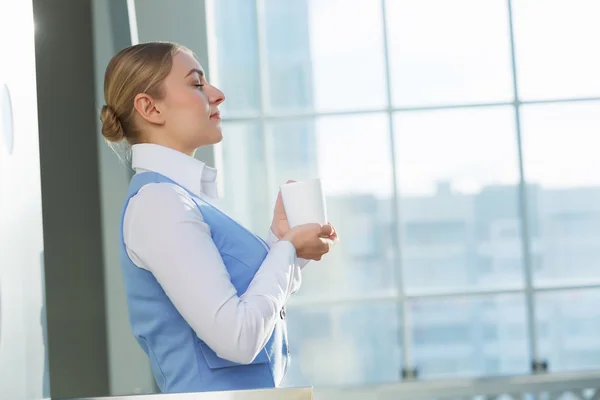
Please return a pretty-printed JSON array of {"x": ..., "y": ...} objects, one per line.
[
  {"x": 245, "y": 193},
  {"x": 555, "y": 44},
  {"x": 289, "y": 55},
  {"x": 458, "y": 176},
  {"x": 335, "y": 62},
  {"x": 235, "y": 65},
  {"x": 294, "y": 149},
  {"x": 351, "y": 155},
  {"x": 560, "y": 155},
  {"x": 458, "y": 54},
  {"x": 469, "y": 337},
  {"x": 344, "y": 345},
  {"x": 568, "y": 329}
]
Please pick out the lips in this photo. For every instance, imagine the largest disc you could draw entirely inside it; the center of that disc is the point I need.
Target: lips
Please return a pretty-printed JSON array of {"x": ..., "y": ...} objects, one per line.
[{"x": 216, "y": 115}]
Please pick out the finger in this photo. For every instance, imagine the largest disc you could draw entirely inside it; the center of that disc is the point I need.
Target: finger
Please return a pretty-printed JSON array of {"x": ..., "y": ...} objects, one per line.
[
  {"x": 279, "y": 203},
  {"x": 334, "y": 233},
  {"x": 334, "y": 238},
  {"x": 325, "y": 246},
  {"x": 290, "y": 181},
  {"x": 330, "y": 244},
  {"x": 326, "y": 231}
]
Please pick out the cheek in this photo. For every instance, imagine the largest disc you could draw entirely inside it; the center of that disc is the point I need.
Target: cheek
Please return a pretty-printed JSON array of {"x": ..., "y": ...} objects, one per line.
[
  {"x": 200, "y": 101},
  {"x": 192, "y": 101}
]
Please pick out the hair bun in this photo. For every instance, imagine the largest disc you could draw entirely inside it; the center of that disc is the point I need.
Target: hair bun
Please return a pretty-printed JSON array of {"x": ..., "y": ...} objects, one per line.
[{"x": 111, "y": 125}]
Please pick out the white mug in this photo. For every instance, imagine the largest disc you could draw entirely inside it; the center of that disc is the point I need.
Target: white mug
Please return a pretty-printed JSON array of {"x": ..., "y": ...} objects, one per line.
[{"x": 304, "y": 202}]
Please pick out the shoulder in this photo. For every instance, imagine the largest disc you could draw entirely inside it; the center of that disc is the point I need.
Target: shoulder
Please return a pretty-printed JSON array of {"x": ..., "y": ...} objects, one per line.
[
  {"x": 159, "y": 204},
  {"x": 159, "y": 215},
  {"x": 162, "y": 193}
]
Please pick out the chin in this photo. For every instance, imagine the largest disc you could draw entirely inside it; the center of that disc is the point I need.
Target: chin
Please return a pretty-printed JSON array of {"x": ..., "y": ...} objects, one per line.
[
  {"x": 208, "y": 139},
  {"x": 217, "y": 137}
]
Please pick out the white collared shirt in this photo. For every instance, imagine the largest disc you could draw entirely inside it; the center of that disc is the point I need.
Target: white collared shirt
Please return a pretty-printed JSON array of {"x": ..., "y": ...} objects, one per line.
[{"x": 164, "y": 233}]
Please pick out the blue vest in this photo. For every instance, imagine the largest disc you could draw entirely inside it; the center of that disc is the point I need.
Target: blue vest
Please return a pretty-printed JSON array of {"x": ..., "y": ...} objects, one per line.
[{"x": 181, "y": 362}]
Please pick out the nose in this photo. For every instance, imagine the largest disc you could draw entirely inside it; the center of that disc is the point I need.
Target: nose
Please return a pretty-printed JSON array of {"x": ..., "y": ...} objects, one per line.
[{"x": 215, "y": 96}]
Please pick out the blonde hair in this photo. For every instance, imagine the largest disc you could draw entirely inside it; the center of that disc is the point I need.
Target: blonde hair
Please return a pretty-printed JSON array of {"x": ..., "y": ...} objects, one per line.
[{"x": 141, "y": 68}]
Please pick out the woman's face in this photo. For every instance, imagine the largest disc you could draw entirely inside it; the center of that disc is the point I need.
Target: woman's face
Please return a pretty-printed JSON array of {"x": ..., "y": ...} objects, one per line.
[{"x": 190, "y": 106}]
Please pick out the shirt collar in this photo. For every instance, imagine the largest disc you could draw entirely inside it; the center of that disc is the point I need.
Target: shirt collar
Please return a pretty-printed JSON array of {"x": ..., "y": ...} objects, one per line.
[{"x": 185, "y": 170}]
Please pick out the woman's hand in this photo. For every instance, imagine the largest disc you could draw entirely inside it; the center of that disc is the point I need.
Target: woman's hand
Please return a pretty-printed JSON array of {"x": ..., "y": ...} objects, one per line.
[
  {"x": 280, "y": 225},
  {"x": 312, "y": 241}
]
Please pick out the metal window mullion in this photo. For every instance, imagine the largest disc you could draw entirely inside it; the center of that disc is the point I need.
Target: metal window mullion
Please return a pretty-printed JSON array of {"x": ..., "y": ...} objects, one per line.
[
  {"x": 525, "y": 237},
  {"x": 263, "y": 85},
  {"x": 309, "y": 302},
  {"x": 366, "y": 111},
  {"x": 132, "y": 17},
  {"x": 407, "y": 362}
]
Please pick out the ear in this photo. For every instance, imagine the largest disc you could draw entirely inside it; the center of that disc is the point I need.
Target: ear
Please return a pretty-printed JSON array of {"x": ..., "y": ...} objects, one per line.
[{"x": 148, "y": 109}]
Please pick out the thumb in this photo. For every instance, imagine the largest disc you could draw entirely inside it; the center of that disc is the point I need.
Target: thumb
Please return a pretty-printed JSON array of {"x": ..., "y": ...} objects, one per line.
[{"x": 326, "y": 231}]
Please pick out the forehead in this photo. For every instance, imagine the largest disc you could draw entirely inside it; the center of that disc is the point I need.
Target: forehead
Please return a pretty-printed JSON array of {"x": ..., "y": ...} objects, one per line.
[{"x": 183, "y": 63}]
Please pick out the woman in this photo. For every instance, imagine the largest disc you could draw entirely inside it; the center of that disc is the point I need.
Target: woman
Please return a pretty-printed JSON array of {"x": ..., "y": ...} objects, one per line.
[{"x": 205, "y": 296}]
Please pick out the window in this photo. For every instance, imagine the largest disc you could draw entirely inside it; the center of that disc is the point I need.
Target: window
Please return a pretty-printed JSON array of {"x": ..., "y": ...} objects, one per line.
[
  {"x": 559, "y": 151},
  {"x": 458, "y": 54},
  {"x": 468, "y": 329},
  {"x": 552, "y": 55},
  {"x": 435, "y": 233},
  {"x": 344, "y": 345},
  {"x": 571, "y": 327},
  {"x": 455, "y": 148}
]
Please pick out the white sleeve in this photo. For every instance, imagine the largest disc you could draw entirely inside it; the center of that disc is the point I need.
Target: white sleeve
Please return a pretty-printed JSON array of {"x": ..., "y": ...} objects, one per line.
[
  {"x": 297, "y": 278},
  {"x": 164, "y": 233}
]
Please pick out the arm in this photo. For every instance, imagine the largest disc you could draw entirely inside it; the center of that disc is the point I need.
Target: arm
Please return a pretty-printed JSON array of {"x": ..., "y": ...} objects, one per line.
[
  {"x": 175, "y": 245},
  {"x": 297, "y": 278}
]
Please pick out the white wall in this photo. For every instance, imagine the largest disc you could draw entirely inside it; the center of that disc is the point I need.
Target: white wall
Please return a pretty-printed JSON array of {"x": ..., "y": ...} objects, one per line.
[{"x": 22, "y": 351}]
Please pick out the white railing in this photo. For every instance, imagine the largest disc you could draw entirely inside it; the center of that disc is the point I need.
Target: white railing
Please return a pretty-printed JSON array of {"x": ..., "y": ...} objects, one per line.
[{"x": 563, "y": 386}]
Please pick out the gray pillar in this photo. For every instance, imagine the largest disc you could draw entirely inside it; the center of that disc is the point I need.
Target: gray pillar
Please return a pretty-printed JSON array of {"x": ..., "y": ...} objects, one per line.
[
  {"x": 129, "y": 368},
  {"x": 77, "y": 343}
]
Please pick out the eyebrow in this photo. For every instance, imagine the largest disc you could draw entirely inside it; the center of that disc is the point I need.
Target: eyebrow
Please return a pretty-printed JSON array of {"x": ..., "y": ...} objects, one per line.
[{"x": 196, "y": 70}]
